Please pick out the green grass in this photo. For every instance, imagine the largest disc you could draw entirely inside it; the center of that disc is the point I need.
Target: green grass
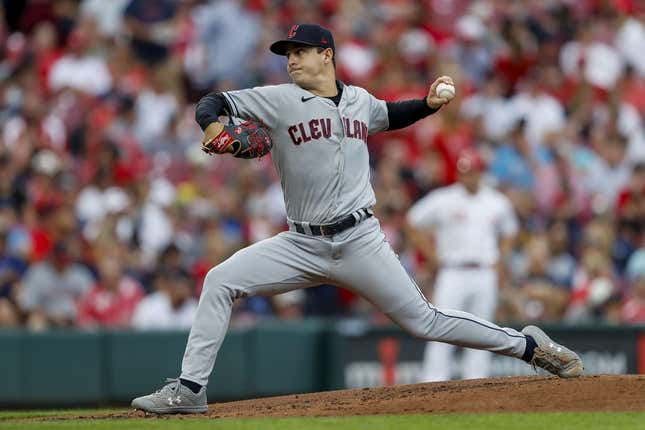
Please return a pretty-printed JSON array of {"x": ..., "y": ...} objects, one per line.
[
  {"x": 26, "y": 414},
  {"x": 555, "y": 421}
]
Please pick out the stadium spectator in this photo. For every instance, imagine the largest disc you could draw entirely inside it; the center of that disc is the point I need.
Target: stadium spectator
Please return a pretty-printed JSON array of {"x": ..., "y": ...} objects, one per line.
[
  {"x": 78, "y": 69},
  {"x": 51, "y": 289},
  {"x": 633, "y": 310},
  {"x": 12, "y": 267},
  {"x": 543, "y": 298},
  {"x": 224, "y": 29},
  {"x": 98, "y": 142},
  {"x": 172, "y": 305},
  {"x": 149, "y": 24},
  {"x": 112, "y": 300},
  {"x": 595, "y": 289},
  {"x": 630, "y": 206},
  {"x": 562, "y": 264},
  {"x": 513, "y": 160}
]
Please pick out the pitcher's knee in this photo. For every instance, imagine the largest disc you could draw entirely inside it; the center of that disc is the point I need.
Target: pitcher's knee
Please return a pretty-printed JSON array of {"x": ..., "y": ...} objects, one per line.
[
  {"x": 419, "y": 326},
  {"x": 421, "y": 331},
  {"x": 219, "y": 283}
]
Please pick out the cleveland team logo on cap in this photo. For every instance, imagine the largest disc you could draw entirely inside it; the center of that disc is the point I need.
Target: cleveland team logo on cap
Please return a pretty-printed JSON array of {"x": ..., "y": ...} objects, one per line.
[{"x": 304, "y": 34}]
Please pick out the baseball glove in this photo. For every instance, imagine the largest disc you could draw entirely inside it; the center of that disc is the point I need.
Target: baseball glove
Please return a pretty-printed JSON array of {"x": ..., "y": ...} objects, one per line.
[{"x": 250, "y": 139}]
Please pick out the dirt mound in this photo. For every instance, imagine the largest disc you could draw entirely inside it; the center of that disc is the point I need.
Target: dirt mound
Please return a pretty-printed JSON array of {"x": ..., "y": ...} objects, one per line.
[{"x": 516, "y": 394}]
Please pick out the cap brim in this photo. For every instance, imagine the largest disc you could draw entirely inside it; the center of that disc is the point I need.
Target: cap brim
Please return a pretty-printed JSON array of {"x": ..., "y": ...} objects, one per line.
[{"x": 280, "y": 47}]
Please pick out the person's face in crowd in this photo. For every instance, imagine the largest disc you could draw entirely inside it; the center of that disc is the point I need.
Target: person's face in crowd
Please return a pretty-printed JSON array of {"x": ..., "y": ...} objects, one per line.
[
  {"x": 171, "y": 259},
  {"x": 552, "y": 76},
  {"x": 637, "y": 180},
  {"x": 77, "y": 43},
  {"x": 64, "y": 220},
  {"x": 61, "y": 258},
  {"x": 470, "y": 180},
  {"x": 596, "y": 263},
  {"x": 179, "y": 290},
  {"x": 44, "y": 37},
  {"x": 558, "y": 237},
  {"x": 306, "y": 65},
  {"x": 159, "y": 283},
  {"x": 110, "y": 273},
  {"x": 538, "y": 252},
  {"x": 638, "y": 287},
  {"x": 492, "y": 88},
  {"x": 469, "y": 173},
  {"x": 614, "y": 151},
  {"x": 599, "y": 235},
  {"x": 3, "y": 241}
]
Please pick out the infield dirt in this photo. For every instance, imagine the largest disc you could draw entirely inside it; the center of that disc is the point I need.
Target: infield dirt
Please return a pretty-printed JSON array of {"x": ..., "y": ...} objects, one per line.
[{"x": 513, "y": 394}]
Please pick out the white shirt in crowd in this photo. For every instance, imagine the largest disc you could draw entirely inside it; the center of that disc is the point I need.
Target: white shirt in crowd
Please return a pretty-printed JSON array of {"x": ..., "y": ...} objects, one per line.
[
  {"x": 602, "y": 65},
  {"x": 630, "y": 40},
  {"x": 154, "y": 114},
  {"x": 467, "y": 227},
  {"x": 108, "y": 15},
  {"x": 155, "y": 312},
  {"x": 88, "y": 74},
  {"x": 606, "y": 181},
  {"x": 497, "y": 113},
  {"x": 631, "y": 125},
  {"x": 543, "y": 114}
]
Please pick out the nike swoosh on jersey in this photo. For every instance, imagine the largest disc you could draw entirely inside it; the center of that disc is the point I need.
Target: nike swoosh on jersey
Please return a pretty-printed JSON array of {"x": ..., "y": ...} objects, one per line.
[{"x": 306, "y": 99}]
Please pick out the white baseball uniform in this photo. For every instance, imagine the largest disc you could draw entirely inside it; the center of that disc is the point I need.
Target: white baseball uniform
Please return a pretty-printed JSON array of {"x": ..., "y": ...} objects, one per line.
[
  {"x": 320, "y": 153},
  {"x": 467, "y": 228}
]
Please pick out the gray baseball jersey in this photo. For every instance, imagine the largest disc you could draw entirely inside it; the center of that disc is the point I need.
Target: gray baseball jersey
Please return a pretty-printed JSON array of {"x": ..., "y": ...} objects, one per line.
[
  {"x": 319, "y": 149},
  {"x": 320, "y": 152}
]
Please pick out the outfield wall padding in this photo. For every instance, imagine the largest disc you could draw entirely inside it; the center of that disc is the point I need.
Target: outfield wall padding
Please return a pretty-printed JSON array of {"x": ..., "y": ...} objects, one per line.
[{"x": 76, "y": 368}]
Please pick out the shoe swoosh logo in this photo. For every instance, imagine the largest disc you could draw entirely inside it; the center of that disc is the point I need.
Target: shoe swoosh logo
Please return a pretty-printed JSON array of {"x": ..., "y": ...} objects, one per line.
[{"x": 306, "y": 99}]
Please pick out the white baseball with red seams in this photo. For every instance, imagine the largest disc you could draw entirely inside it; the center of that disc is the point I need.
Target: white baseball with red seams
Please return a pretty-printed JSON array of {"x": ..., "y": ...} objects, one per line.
[{"x": 445, "y": 91}]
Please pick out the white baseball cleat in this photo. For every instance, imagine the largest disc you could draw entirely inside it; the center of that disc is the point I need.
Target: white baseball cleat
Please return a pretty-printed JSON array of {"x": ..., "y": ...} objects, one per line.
[
  {"x": 173, "y": 398},
  {"x": 553, "y": 357}
]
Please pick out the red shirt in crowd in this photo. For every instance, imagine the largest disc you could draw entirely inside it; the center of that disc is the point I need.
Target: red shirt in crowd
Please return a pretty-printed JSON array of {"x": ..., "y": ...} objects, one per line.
[
  {"x": 627, "y": 198},
  {"x": 449, "y": 143},
  {"x": 633, "y": 311},
  {"x": 103, "y": 307}
]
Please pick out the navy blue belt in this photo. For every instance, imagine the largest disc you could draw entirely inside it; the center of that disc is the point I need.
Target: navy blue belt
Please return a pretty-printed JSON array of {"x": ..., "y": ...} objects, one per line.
[{"x": 343, "y": 224}]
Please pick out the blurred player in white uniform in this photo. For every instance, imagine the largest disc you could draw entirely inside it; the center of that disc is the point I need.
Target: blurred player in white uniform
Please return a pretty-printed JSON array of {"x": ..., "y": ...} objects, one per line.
[{"x": 473, "y": 227}]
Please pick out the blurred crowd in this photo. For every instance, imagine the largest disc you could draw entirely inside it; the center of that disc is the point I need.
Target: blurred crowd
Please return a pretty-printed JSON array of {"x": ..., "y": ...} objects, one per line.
[{"x": 110, "y": 215}]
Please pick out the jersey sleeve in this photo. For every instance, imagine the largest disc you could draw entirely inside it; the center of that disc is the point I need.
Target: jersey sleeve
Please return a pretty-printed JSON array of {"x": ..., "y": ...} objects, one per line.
[
  {"x": 423, "y": 214},
  {"x": 259, "y": 103},
  {"x": 507, "y": 224},
  {"x": 378, "y": 119}
]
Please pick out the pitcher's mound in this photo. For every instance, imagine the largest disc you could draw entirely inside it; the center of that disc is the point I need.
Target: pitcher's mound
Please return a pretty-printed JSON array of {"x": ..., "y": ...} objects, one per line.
[{"x": 516, "y": 394}]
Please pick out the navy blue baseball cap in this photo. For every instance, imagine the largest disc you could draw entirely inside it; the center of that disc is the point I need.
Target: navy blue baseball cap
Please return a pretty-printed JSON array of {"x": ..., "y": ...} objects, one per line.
[{"x": 305, "y": 34}]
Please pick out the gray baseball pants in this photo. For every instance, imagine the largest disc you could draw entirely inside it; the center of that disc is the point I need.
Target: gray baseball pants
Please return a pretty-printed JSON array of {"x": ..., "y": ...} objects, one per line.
[{"x": 359, "y": 259}]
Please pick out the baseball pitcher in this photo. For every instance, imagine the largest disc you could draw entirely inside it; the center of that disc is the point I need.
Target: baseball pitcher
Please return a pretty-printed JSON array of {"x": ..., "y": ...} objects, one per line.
[{"x": 316, "y": 129}]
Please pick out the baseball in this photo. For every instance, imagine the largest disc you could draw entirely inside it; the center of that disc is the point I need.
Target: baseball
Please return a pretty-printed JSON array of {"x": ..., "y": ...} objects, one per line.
[{"x": 445, "y": 91}]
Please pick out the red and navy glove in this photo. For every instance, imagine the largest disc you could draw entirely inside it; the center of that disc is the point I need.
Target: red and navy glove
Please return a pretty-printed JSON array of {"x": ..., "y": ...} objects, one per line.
[{"x": 251, "y": 139}]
